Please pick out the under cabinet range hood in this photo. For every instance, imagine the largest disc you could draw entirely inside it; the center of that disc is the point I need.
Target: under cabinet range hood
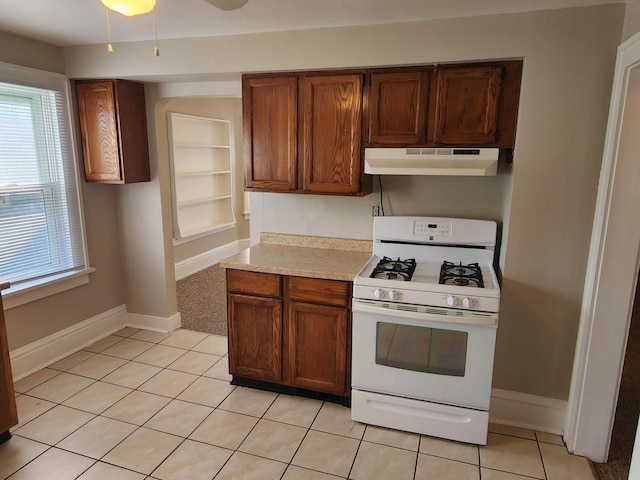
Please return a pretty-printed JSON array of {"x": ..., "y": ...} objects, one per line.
[{"x": 431, "y": 161}]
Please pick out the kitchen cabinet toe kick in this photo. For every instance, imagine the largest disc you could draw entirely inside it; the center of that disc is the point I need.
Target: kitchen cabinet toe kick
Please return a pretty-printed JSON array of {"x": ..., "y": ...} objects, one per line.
[
  {"x": 344, "y": 400},
  {"x": 4, "y": 436}
]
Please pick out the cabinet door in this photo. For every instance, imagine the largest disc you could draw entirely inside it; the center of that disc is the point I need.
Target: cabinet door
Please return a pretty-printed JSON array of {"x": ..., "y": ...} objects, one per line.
[
  {"x": 97, "y": 115},
  {"x": 255, "y": 337},
  {"x": 132, "y": 130},
  {"x": 330, "y": 109},
  {"x": 270, "y": 131},
  {"x": 397, "y": 107},
  {"x": 8, "y": 410},
  {"x": 467, "y": 105},
  {"x": 316, "y": 343}
]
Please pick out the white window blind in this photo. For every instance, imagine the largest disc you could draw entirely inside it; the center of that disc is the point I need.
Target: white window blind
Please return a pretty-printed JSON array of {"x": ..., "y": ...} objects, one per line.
[{"x": 40, "y": 222}]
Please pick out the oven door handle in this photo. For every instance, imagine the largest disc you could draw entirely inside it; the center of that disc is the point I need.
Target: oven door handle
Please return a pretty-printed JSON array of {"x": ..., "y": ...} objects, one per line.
[{"x": 422, "y": 313}]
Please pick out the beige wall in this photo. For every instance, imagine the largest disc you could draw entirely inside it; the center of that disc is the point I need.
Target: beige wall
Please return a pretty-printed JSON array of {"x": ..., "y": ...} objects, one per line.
[
  {"x": 546, "y": 200},
  {"x": 222, "y": 108},
  {"x": 145, "y": 232},
  {"x": 105, "y": 290},
  {"x": 631, "y": 19},
  {"x": 30, "y": 53}
]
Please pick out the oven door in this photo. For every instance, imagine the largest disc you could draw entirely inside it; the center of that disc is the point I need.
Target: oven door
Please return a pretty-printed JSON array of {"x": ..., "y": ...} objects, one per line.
[{"x": 436, "y": 354}]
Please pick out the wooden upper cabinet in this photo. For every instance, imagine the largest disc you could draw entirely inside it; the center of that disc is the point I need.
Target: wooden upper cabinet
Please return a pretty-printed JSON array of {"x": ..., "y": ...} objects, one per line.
[
  {"x": 448, "y": 105},
  {"x": 113, "y": 127},
  {"x": 330, "y": 133},
  {"x": 397, "y": 109},
  {"x": 270, "y": 133},
  {"x": 467, "y": 105},
  {"x": 303, "y": 133}
]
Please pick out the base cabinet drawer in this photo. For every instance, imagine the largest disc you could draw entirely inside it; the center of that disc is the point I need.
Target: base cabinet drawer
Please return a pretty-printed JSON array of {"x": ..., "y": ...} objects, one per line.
[{"x": 253, "y": 283}]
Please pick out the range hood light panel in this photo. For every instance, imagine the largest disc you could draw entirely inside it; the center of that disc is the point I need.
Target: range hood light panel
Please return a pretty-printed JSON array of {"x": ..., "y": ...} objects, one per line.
[{"x": 432, "y": 161}]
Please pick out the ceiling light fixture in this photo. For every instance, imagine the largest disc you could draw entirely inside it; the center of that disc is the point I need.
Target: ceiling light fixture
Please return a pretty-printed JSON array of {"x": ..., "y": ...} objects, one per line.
[{"x": 131, "y": 8}]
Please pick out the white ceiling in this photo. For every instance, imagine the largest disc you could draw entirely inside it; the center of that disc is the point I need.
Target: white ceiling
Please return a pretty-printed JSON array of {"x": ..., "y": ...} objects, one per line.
[{"x": 80, "y": 22}]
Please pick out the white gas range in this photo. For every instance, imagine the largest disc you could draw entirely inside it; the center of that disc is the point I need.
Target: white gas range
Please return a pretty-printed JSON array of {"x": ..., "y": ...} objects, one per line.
[{"x": 425, "y": 314}]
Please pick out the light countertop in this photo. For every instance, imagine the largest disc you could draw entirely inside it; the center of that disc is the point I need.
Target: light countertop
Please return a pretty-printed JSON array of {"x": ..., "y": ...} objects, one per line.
[{"x": 303, "y": 256}]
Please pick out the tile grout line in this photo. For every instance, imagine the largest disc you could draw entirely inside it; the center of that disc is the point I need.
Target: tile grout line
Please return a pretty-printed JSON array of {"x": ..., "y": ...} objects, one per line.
[
  {"x": 49, "y": 447},
  {"x": 183, "y": 439},
  {"x": 302, "y": 441}
]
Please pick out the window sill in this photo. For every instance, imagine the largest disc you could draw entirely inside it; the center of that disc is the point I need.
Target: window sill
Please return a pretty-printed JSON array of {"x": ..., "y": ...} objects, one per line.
[{"x": 37, "y": 289}]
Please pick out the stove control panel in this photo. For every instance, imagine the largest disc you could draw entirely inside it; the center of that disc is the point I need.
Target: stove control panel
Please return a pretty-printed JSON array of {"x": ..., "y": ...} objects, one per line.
[
  {"x": 465, "y": 302},
  {"x": 433, "y": 299},
  {"x": 381, "y": 294},
  {"x": 432, "y": 229}
]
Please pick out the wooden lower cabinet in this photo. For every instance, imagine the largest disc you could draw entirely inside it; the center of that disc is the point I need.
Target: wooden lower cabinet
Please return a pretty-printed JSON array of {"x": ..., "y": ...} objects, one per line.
[
  {"x": 8, "y": 410},
  {"x": 289, "y": 331},
  {"x": 316, "y": 347},
  {"x": 255, "y": 325}
]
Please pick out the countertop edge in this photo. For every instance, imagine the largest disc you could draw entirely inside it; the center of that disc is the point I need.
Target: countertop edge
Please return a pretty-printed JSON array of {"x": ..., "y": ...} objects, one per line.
[
  {"x": 307, "y": 241},
  {"x": 288, "y": 271},
  {"x": 294, "y": 260}
]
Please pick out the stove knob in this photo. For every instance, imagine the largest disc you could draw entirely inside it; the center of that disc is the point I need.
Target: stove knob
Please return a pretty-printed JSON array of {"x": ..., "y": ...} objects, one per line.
[
  {"x": 452, "y": 301},
  {"x": 467, "y": 302},
  {"x": 378, "y": 293},
  {"x": 393, "y": 295}
]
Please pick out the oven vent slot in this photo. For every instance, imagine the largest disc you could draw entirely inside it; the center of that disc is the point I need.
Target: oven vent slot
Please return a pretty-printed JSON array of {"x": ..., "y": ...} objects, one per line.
[
  {"x": 434, "y": 311},
  {"x": 405, "y": 307}
]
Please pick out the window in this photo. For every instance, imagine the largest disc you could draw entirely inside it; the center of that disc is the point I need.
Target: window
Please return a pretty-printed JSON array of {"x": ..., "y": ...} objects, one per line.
[{"x": 41, "y": 236}]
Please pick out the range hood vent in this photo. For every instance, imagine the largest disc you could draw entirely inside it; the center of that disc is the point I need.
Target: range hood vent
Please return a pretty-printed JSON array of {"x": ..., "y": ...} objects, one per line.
[{"x": 431, "y": 161}]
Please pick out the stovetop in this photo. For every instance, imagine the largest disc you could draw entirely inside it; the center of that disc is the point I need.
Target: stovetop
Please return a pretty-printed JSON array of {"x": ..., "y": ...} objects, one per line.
[
  {"x": 444, "y": 271},
  {"x": 398, "y": 269}
]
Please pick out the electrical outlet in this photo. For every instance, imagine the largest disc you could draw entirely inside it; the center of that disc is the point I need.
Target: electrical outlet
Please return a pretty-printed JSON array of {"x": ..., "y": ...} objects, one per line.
[{"x": 375, "y": 211}]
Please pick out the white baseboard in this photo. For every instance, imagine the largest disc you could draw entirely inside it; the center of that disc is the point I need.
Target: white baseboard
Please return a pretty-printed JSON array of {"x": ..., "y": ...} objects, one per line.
[
  {"x": 527, "y": 411},
  {"x": 156, "y": 324},
  {"x": 44, "y": 352},
  {"x": 50, "y": 349},
  {"x": 194, "y": 264}
]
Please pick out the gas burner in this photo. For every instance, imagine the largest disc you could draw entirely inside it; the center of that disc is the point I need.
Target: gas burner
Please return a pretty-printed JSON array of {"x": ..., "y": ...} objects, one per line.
[
  {"x": 389, "y": 269},
  {"x": 461, "y": 275}
]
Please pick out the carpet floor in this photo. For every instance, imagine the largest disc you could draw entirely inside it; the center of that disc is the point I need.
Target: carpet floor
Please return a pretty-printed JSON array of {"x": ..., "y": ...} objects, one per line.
[{"x": 202, "y": 301}]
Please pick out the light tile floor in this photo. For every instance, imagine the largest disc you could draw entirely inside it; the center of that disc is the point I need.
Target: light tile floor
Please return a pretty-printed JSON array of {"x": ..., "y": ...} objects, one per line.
[{"x": 145, "y": 405}]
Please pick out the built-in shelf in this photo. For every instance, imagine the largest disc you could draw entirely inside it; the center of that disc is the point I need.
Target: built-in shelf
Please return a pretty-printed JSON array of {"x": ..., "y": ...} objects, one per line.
[
  {"x": 201, "y": 172},
  {"x": 191, "y": 145},
  {"x": 195, "y": 174}
]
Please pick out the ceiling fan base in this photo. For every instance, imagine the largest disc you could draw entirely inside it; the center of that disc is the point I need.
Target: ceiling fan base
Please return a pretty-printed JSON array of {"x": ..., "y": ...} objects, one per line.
[{"x": 227, "y": 5}]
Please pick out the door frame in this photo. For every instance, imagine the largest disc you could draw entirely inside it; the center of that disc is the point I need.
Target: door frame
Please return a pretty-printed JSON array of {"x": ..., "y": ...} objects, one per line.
[{"x": 605, "y": 315}]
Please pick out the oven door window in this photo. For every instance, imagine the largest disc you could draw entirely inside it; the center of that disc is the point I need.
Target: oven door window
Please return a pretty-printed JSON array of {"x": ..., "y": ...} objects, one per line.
[{"x": 421, "y": 349}]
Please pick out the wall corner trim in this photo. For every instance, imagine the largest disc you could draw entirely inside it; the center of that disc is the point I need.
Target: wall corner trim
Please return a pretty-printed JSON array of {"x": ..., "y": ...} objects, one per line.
[
  {"x": 42, "y": 353},
  {"x": 197, "y": 263},
  {"x": 155, "y": 324},
  {"x": 36, "y": 355},
  {"x": 527, "y": 411}
]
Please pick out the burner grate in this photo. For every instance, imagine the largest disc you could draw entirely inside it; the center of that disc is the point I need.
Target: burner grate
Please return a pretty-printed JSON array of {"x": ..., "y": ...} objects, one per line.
[
  {"x": 461, "y": 275},
  {"x": 390, "y": 269}
]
